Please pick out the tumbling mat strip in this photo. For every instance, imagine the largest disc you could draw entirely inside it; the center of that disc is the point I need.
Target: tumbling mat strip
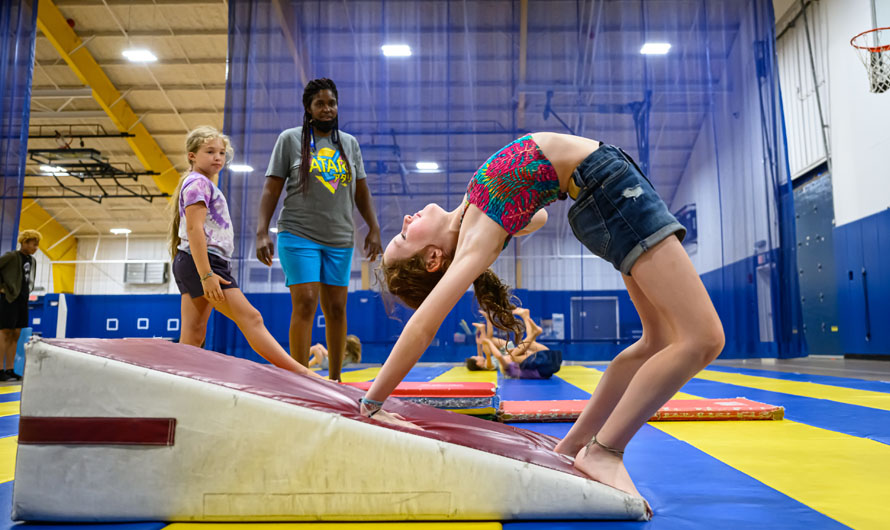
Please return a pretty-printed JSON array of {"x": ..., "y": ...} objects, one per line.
[
  {"x": 466, "y": 398},
  {"x": 674, "y": 410},
  {"x": 436, "y": 389},
  {"x": 854, "y": 420},
  {"x": 841, "y": 476},
  {"x": 9, "y": 389}
]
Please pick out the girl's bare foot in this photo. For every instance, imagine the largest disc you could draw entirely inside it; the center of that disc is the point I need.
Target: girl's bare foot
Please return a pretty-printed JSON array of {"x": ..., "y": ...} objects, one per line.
[
  {"x": 520, "y": 311},
  {"x": 535, "y": 329},
  {"x": 606, "y": 468}
]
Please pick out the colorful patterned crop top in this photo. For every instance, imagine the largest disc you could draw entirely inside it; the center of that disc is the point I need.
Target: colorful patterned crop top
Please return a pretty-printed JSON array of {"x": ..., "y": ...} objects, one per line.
[{"x": 514, "y": 184}]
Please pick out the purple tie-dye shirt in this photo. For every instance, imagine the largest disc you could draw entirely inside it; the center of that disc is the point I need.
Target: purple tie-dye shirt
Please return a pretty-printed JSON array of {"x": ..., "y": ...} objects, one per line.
[{"x": 217, "y": 225}]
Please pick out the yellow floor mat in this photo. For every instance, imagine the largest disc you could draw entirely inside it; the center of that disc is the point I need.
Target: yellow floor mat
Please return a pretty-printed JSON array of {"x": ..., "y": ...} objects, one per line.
[
  {"x": 8, "y": 447},
  {"x": 358, "y": 376},
  {"x": 10, "y": 408},
  {"x": 460, "y": 374},
  {"x": 841, "y": 476},
  {"x": 852, "y": 396},
  {"x": 463, "y": 525}
]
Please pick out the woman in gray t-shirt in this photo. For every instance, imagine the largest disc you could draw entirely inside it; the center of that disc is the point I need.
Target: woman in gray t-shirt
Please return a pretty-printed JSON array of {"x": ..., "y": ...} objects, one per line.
[{"x": 316, "y": 229}]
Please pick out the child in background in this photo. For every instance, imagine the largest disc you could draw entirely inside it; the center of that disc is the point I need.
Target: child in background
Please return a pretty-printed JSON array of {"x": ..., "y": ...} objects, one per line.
[
  {"x": 529, "y": 360},
  {"x": 202, "y": 243},
  {"x": 16, "y": 283},
  {"x": 319, "y": 354}
]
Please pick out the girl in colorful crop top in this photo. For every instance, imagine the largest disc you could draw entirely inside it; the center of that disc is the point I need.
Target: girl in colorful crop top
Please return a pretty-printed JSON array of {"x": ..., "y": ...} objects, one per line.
[{"x": 618, "y": 216}]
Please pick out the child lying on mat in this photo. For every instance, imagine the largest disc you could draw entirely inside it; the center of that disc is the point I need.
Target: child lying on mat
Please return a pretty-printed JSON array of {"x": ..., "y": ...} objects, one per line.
[
  {"x": 529, "y": 360},
  {"x": 318, "y": 354}
]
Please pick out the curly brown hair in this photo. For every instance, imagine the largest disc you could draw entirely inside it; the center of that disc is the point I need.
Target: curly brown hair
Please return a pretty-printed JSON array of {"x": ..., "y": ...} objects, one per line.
[{"x": 411, "y": 282}]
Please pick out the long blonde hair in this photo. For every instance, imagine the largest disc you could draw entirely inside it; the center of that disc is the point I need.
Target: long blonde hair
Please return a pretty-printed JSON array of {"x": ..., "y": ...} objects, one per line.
[{"x": 195, "y": 139}]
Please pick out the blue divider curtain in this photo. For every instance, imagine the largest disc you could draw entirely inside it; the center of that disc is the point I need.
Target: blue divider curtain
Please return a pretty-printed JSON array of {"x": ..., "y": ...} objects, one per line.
[
  {"x": 704, "y": 120},
  {"x": 18, "y": 27}
]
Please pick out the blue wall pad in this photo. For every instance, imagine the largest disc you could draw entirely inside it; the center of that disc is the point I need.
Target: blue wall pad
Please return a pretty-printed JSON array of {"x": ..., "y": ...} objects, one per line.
[
  {"x": 846, "y": 382},
  {"x": 862, "y": 253}
]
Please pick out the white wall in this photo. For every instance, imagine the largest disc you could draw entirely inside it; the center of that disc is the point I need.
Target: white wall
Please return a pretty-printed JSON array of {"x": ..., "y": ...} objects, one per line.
[
  {"x": 557, "y": 262},
  {"x": 806, "y": 148},
  {"x": 859, "y": 120},
  {"x": 108, "y": 278},
  {"x": 728, "y": 182},
  {"x": 858, "y": 130}
]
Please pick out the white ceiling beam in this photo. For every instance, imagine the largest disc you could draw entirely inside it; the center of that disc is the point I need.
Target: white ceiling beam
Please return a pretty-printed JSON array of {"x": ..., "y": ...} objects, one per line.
[
  {"x": 123, "y": 3},
  {"x": 90, "y": 114},
  {"x": 154, "y": 33},
  {"x": 214, "y": 61},
  {"x": 62, "y": 93},
  {"x": 45, "y": 91}
]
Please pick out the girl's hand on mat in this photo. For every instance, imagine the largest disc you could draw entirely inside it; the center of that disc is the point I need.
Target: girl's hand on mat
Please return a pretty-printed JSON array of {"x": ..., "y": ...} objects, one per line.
[
  {"x": 391, "y": 418},
  {"x": 265, "y": 249},
  {"x": 212, "y": 289}
]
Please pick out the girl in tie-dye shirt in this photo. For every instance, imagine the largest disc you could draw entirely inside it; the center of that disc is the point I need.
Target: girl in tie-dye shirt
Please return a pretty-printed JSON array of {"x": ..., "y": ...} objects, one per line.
[{"x": 202, "y": 243}]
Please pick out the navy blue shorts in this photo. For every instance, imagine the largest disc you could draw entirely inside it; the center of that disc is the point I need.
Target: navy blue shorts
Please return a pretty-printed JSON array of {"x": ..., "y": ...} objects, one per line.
[
  {"x": 617, "y": 214},
  {"x": 546, "y": 362},
  {"x": 186, "y": 273}
]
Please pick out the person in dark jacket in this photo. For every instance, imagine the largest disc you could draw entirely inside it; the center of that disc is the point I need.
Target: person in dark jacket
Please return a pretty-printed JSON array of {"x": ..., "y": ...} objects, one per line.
[{"x": 17, "y": 269}]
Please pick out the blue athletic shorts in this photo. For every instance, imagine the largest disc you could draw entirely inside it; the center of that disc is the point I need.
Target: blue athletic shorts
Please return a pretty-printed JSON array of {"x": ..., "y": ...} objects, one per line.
[{"x": 306, "y": 261}]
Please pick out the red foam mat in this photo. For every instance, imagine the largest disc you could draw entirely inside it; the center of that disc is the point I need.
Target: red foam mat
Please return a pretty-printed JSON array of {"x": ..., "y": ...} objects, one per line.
[
  {"x": 451, "y": 390},
  {"x": 673, "y": 410}
]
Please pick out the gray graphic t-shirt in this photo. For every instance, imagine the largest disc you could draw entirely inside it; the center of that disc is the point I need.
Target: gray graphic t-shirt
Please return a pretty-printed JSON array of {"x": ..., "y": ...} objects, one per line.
[{"x": 324, "y": 213}]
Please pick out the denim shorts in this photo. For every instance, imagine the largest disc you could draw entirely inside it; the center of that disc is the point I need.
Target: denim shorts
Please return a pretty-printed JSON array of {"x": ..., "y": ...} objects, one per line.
[
  {"x": 306, "y": 261},
  {"x": 617, "y": 214}
]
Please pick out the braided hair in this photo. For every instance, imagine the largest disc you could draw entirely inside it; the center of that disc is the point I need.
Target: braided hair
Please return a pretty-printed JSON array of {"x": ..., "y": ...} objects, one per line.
[{"x": 312, "y": 89}]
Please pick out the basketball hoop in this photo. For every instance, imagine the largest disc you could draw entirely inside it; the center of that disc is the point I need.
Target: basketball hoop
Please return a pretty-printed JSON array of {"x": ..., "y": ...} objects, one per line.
[{"x": 873, "y": 47}]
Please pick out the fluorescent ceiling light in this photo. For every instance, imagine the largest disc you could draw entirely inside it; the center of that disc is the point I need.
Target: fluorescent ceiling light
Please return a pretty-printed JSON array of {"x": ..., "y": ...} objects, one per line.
[
  {"x": 396, "y": 50},
  {"x": 140, "y": 56},
  {"x": 54, "y": 170},
  {"x": 655, "y": 48},
  {"x": 427, "y": 166},
  {"x": 274, "y": 229},
  {"x": 240, "y": 168},
  {"x": 120, "y": 231}
]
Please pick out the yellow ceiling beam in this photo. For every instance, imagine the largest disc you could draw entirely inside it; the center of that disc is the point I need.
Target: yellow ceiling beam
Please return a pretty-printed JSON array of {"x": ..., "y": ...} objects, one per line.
[
  {"x": 56, "y": 242},
  {"x": 55, "y": 28}
]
